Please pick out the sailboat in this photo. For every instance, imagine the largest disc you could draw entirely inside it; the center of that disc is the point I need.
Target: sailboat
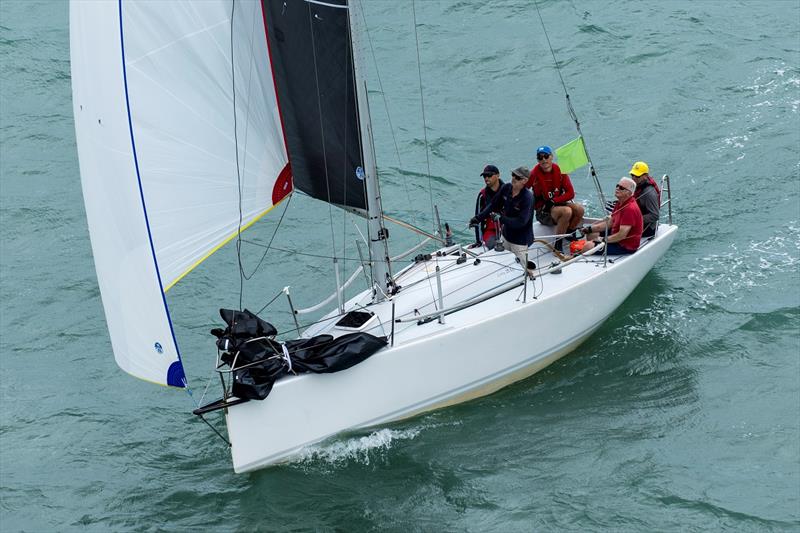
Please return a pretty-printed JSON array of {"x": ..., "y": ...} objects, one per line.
[{"x": 195, "y": 119}]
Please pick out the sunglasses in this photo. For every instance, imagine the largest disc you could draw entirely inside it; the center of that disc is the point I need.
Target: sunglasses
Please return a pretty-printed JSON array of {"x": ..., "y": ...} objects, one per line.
[
  {"x": 520, "y": 178},
  {"x": 621, "y": 188},
  {"x": 542, "y": 157}
]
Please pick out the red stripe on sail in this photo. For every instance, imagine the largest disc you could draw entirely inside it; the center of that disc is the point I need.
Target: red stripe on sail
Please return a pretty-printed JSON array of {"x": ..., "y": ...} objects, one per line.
[{"x": 283, "y": 185}]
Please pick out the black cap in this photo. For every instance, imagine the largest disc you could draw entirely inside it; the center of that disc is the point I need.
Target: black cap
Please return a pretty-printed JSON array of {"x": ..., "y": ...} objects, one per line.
[{"x": 490, "y": 170}]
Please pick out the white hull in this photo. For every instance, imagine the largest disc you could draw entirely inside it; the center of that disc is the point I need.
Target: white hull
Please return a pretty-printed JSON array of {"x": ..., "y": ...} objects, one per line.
[{"x": 477, "y": 351}]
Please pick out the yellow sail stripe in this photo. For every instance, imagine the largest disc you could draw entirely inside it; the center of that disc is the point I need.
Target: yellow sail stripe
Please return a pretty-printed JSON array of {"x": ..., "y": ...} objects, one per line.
[
  {"x": 149, "y": 380},
  {"x": 223, "y": 243}
]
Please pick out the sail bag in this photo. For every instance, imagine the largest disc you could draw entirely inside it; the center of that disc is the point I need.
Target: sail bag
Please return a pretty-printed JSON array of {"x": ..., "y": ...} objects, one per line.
[{"x": 248, "y": 347}]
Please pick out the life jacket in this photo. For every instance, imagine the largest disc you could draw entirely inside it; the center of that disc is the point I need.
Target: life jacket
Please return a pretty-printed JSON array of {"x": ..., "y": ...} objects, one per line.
[
  {"x": 483, "y": 201},
  {"x": 488, "y": 224},
  {"x": 549, "y": 185}
]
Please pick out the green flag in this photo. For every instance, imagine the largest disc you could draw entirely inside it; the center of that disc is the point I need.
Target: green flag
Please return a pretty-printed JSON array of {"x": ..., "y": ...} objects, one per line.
[{"x": 572, "y": 156}]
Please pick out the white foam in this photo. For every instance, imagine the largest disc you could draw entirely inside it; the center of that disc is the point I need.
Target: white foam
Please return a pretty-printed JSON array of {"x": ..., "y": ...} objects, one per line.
[
  {"x": 357, "y": 449},
  {"x": 657, "y": 321},
  {"x": 732, "y": 274},
  {"x": 772, "y": 94}
]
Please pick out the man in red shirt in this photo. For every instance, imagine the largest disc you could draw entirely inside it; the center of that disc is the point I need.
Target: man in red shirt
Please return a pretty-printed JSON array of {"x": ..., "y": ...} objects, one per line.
[
  {"x": 625, "y": 223},
  {"x": 553, "y": 195}
]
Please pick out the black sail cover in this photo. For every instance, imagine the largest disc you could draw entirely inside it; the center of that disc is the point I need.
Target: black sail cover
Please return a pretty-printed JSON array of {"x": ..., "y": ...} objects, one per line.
[
  {"x": 312, "y": 64},
  {"x": 247, "y": 345}
]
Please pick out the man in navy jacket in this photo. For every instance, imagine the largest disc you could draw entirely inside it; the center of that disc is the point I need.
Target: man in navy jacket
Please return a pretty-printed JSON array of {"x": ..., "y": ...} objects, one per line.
[{"x": 512, "y": 208}]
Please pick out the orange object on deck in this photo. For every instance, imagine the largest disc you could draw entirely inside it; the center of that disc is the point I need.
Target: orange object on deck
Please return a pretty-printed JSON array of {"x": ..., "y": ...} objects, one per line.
[{"x": 576, "y": 246}]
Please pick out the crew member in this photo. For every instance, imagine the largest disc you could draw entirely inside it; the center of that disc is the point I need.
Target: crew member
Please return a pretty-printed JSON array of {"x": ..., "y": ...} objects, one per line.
[
  {"x": 553, "y": 196},
  {"x": 487, "y": 231},
  {"x": 512, "y": 207},
  {"x": 625, "y": 223},
  {"x": 648, "y": 196}
]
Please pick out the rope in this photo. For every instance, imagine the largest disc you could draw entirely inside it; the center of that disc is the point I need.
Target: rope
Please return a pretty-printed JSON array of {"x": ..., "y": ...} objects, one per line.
[
  {"x": 295, "y": 252},
  {"x": 198, "y": 404},
  {"x": 267, "y": 247},
  {"x": 242, "y": 275},
  {"x": 238, "y": 170},
  {"x": 570, "y": 109},
  {"x": 269, "y": 302}
]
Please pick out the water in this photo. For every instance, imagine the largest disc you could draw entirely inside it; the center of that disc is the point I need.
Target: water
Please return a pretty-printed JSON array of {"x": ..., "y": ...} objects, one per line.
[{"x": 681, "y": 413}]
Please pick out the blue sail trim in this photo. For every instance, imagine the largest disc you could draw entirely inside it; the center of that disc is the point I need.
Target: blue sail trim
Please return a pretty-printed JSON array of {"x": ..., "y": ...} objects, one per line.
[{"x": 175, "y": 375}]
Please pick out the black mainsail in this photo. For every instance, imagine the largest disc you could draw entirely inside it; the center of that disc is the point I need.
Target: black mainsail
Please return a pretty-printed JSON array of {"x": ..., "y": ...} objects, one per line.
[{"x": 312, "y": 63}]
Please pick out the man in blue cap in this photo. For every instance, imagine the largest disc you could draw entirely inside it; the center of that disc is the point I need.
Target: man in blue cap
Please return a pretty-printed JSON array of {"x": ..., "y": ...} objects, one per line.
[{"x": 553, "y": 196}]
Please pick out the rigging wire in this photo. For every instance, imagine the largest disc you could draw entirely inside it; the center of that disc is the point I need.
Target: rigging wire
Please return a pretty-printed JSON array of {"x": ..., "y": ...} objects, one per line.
[
  {"x": 570, "y": 109},
  {"x": 348, "y": 65},
  {"x": 388, "y": 115},
  {"x": 425, "y": 134},
  {"x": 321, "y": 125},
  {"x": 422, "y": 105},
  {"x": 305, "y": 326},
  {"x": 360, "y": 139}
]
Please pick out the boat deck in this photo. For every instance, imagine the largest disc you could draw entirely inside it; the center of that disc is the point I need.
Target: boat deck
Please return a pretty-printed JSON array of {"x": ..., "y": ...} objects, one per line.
[{"x": 469, "y": 277}]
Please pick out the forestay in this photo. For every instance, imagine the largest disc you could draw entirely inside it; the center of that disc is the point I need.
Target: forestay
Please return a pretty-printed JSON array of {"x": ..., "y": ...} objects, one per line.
[{"x": 153, "y": 102}]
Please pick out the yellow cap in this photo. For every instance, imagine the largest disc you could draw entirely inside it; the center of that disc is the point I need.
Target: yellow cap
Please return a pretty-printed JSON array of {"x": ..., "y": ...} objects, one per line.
[{"x": 639, "y": 168}]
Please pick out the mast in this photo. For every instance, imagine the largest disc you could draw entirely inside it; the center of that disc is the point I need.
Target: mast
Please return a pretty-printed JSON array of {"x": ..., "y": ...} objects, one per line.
[{"x": 377, "y": 234}]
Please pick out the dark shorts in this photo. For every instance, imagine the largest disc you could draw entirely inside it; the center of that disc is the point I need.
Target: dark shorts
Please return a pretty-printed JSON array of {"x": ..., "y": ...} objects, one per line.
[
  {"x": 614, "y": 248},
  {"x": 543, "y": 217}
]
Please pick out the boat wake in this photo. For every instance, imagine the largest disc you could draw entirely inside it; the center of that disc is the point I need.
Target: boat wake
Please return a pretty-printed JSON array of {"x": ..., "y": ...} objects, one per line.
[{"x": 361, "y": 449}]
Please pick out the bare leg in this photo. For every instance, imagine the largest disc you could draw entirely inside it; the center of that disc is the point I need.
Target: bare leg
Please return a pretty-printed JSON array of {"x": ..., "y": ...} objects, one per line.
[
  {"x": 577, "y": 216},
  {"x": 561, "y": 216}
]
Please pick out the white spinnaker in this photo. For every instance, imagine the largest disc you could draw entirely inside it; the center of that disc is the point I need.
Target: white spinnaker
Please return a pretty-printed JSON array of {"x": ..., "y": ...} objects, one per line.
[{"x": 174, "y": 120}]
